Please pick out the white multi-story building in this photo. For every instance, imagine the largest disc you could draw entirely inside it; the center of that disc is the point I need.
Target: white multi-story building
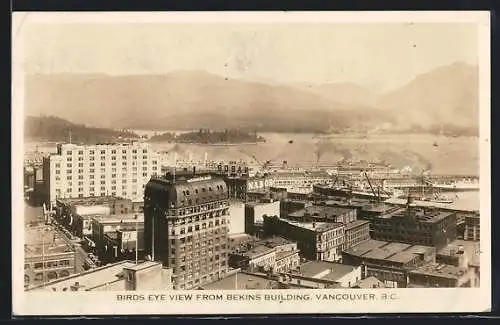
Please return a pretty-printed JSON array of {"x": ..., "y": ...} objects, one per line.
[{"x": 120, "y": 169}]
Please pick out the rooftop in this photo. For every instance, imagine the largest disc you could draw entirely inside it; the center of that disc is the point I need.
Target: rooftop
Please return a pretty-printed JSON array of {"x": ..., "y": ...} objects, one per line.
[
  {"x": 321, "y": 212},
  {"x": 369, "y": 283},
  {"x": 90, "y": 279},
  {"x": 314, "y": 226},
  {"x": 256, "y": 250},
  {"x": 471, "y": 248},
  {"x": 388, "y": 251},
  {"x": 92, "y": 200},
  {"x": 241, "y": 281},
  {"x": 273, "y": 241},
  {"x": 44, "y": 240},
  {"x": 120, "y": 218},
  {"x": 324, "y": 270},
  {"x": 441, "y": 270},
  {"x": 356, "y": 223},
  {"x": 141, "y": 266},
  {"x": 430, "y": 215}
]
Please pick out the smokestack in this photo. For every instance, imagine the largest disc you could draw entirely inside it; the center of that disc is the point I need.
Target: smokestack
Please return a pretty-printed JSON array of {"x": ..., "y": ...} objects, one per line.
[{"x": 194, "y": 170}]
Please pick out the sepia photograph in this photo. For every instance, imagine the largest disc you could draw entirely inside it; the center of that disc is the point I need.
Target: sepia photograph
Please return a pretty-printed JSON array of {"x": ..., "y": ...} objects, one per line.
[{"x": 237, "y": 162}]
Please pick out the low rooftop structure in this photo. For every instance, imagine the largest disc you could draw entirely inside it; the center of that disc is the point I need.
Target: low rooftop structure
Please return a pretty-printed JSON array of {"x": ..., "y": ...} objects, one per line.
[
  {"x": 320, "y": 212},
  {"x": 42, "y": 240},
  {"x": 111, "y": 277},
  {"x": 120, "y": 218},
  {"x": 389, "y": 251},
  {"x": 441, "y": 271},
  {"x": 242, "y": 281},
  {"x": 471, "y": 248},
  {"x": 88, "y": 201},
  {"x": 369, "y": 283},
  {"x": 314, "y": 226},
  {"x": 324, "y": 270},
  {"x": 355, "y": 223}
]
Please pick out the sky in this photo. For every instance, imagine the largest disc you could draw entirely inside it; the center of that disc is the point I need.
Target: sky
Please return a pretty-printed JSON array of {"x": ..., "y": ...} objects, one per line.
[{"x": 381, "y": 57}]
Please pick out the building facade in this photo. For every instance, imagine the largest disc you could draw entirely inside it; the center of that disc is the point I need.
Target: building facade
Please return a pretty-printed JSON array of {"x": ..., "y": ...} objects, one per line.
[
  {"x": 272, "y": 255},
  {"x": 186, "y": 226},
  {"x": 47, "y": 257},
  {"x": 315, "y": 240},
  {"x": 356, "y": 232},
  {"x": 99, "y": 170},
  {"x": 472, "y": 229},
  {"x": 75, "y": 214},
  {"x": 416, "y": 226},
  {"x": 389, "y": 262},
  {"x": 254, "y": 216}
]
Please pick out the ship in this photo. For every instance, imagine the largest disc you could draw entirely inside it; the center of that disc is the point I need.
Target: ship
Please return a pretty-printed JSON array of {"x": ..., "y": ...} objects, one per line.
[{"x": 458, "y": 186}]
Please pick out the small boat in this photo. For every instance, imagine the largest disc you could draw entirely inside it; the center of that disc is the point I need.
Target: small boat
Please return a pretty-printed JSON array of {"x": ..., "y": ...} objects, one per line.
[{"x": 435, "y": 144}]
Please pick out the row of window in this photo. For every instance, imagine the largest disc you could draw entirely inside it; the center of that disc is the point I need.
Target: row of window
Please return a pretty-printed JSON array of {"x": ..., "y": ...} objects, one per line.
[
  {"x": 103, "y": 152},
  {"x": 103, "y": 170},
  {"x": 203, "y": 190},
  {"x": 50, "y": 264},
  {"x": 113, "y": 176}
]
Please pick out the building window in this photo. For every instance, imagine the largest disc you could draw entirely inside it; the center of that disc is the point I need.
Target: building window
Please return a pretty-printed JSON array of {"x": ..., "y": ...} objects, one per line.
[
  {"x": 68, "y": 177},
  {"x": 68, "y": 152}
]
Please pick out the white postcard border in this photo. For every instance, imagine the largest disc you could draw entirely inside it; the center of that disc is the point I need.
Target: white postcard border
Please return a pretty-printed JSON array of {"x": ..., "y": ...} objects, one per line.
[{"x": 395, "y": 301}]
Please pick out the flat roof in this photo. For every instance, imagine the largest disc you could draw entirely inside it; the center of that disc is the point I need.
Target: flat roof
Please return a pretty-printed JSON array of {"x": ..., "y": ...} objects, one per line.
[
  {"x": 274, "y": 241},
  {"x": 366, "y": 246},
  {"x": 91, "y": 200},
  {"x": 314, "y": 226},
  {"x": 389, "y": 251},
  {"x": 142, "y": 266},
  {"x": 254, "y": 251},
  {"x": 425, "y": 215},
  {"x": 471, "y": 248},
  {"x": 321, "y": 211},
  {"x": 441, "y": 270},
  {"x": 369, "y": 283},
  {"x": 324, "y": 270},
  {"x": 117, "y": 218},
  {"x": 41, "y": 240},
  {"x": 356, "y": 223},
  {"x": 241, "y": 281},
  {"x": 90, "y": 279}
]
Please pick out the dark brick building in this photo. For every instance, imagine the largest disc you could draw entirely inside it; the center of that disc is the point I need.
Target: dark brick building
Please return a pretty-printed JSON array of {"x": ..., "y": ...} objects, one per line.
[{"x": 186, "y": 227}]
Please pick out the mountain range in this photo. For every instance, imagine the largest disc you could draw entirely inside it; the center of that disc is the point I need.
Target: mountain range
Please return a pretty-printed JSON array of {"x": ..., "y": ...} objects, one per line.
[{"x": 196, "y": 99}]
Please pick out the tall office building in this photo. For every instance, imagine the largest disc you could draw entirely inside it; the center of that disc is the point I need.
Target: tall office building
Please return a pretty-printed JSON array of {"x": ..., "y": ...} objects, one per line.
[
  {"x": 186, "y": 226},
  {"x": 121, "y": 169}
]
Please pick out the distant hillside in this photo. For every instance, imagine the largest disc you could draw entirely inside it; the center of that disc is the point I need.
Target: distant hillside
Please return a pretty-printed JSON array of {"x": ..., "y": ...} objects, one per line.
[
  {"x": 193, "y": 99},
  {"x": 187, "y": 100},
  {"x": 447, "y": 95},
  {"x": 54, "y": 129}
]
